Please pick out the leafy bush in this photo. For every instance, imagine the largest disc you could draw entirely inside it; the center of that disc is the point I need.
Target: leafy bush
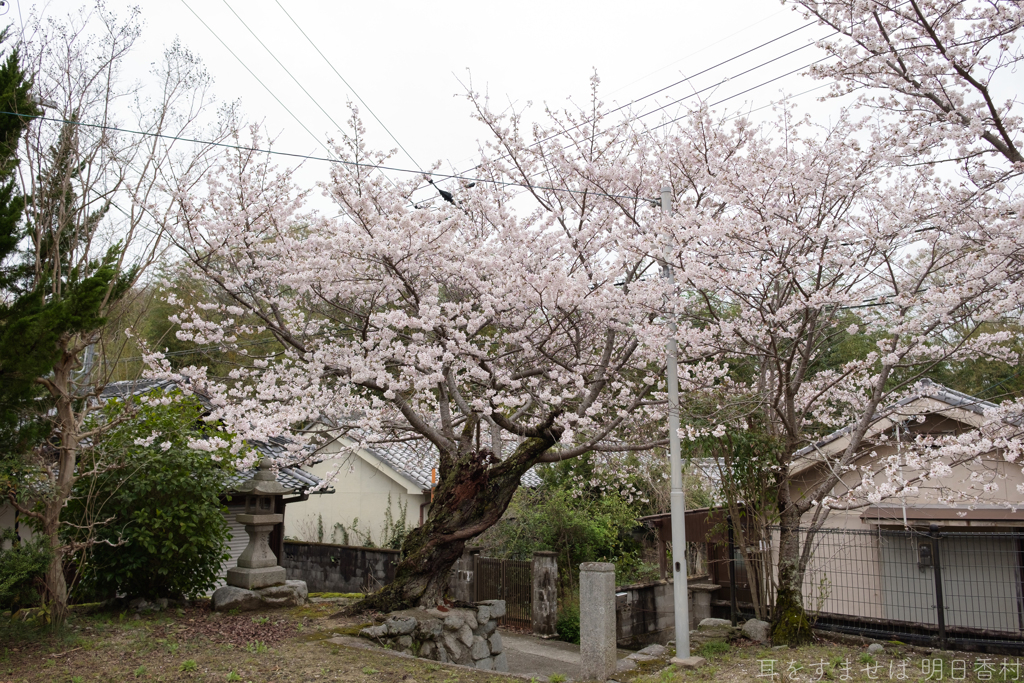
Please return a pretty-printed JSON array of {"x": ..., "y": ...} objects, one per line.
[
  {"x": 153, "y": 524},
  {"x": 568, "y": 623},
  {"x": 577, "y": 528},
  {"x": 21, "y": 568}
]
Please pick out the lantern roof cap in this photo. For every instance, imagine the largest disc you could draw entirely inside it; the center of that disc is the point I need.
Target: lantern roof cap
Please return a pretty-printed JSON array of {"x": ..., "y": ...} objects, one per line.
[{"x": 263, "y": 483}]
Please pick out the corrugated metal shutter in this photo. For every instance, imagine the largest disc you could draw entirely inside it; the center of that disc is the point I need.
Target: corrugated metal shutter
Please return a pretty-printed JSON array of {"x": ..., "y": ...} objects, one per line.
[{"x": 239, "y": 539}]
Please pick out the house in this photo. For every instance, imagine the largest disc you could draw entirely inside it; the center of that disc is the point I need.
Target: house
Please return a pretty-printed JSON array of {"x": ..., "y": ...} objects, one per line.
[
  {"x": 878, "y": 561},
  {"x": 380, "y": 489},
  {"x": 883, "y": 569}
]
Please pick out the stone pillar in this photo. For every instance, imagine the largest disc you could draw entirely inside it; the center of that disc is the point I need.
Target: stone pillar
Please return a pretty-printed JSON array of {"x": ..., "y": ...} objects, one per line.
[
  {"x": 461, "y": 585},
  {"x": 700, "y": 602},
  {"x": 545, "y": 593},
  {"x": 597, "y": 620}
]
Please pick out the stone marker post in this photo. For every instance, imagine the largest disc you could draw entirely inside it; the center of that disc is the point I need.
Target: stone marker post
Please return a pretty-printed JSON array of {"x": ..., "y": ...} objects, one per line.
[
  {"x": 597, "y": 620},
  {"x": 545, "y": 593}
]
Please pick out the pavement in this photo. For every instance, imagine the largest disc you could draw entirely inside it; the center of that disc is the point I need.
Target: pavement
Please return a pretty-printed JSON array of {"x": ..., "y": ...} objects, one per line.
[{"x": 540, "y": 658}]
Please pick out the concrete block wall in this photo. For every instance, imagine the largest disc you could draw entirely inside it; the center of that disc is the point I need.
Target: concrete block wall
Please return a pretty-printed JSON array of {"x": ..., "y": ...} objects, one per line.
[{"x": 329, "y": 568}]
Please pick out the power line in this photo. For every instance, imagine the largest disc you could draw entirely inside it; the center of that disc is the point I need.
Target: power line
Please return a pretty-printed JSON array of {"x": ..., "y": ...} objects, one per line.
[
  {"x": 271, "y": 53},
  {"x": 310, "y": 157},
  {"x": 679, "y": 82},
  {"x": 361, "y": 101},
  {"x": 253, "y": 74}
]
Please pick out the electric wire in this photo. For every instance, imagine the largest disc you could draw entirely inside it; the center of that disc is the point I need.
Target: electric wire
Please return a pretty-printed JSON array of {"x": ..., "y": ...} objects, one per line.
[
  {"x": 291, "y": 75},
  {"x": 349, "y": 86},
  {"x": 258, "y": 80},
  {"x": 685, "y": 80},
  {"x": 688, "y": 96}
]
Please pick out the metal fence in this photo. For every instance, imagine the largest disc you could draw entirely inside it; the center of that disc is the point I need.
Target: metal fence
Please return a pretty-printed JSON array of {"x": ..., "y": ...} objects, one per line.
[
  {"x": 950, "y": 588},
  {"x": 508, "y": 580}
]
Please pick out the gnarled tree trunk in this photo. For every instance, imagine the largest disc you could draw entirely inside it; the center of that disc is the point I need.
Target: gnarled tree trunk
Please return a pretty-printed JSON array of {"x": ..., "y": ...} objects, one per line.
[{"x": 474, "y": 491}]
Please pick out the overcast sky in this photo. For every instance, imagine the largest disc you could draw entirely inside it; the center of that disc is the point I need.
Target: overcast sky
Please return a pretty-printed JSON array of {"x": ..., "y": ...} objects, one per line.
[{"x": 411, "y": 61}]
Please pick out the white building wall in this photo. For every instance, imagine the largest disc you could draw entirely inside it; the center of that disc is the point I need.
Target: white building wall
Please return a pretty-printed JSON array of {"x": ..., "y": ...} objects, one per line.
[{"x": 363, "y": 489}]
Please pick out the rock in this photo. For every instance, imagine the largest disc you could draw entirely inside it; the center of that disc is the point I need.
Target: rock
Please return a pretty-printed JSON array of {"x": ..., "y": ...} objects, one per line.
[
  {"x": 454, "y": 621},
  {"x": 757, "y": 630},
  {"x": 228, "y": 598},
  {"x": 500, "y": 662},
  {"x": 287, "y": 595},
  {"x": 400, "y": 627},
  {"x": 479, "y": 648},
  {"x": 637, "y": 657},
  {"x": 483, "y": 614},
  {"x": 427, "y": 650},
  {"x": 442, "y": 655},
  {"x": 405, "y": 642},
  {"x": 466, "y": 635},
  {"x": 876, "y": 648},
  {"x": 454, "y": 647},
  {"x": 713, "y": 623},
  {"x": 497, "y": 608},
  {"x": 299, "y": 587},
  {"x": 496, "y": 645},
  {"x": 486, "y": 629},
  {"x": 487, "y": 664},
  {"x": 624, "y": 665},
  {"x": 429, "y": 629},
  {"x": 654, "y": 650},
  {"x": 374, "y": 631},
  {"x": 161, "y": 603},
  {"x": 471, "y": 621}
]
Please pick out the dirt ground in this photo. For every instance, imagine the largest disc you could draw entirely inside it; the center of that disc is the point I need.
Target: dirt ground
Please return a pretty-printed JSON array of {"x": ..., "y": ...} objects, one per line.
[
  {"x": 744, "y": 662},
  {"x": 196, "y": 644}
]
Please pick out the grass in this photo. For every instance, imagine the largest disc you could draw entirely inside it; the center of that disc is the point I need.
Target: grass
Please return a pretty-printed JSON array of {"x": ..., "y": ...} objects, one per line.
[{"x": 167, "y": 646}]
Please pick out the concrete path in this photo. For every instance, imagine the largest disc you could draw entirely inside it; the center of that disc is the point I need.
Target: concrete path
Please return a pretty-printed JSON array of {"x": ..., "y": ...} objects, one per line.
[{"x": 532, "y": 656}]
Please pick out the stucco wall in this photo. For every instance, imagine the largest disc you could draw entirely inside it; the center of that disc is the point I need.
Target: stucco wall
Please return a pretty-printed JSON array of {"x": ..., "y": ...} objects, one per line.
[{"x": 362, "y": 490}]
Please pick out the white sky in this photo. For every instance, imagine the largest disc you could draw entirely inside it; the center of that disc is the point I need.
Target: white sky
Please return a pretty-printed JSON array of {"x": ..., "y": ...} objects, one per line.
[{"x": 406, "y": 60}]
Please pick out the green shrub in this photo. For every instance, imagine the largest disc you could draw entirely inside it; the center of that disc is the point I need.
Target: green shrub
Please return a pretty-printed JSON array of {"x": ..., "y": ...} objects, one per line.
[
  {"x": 568, "y": 623},
  {"x": 158, "y": 521},
  {"x": 21, "y": 569}
]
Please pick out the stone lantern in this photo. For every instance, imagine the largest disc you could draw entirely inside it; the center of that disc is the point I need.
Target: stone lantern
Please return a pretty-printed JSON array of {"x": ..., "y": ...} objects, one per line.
[{"x": 257, "y": 565}]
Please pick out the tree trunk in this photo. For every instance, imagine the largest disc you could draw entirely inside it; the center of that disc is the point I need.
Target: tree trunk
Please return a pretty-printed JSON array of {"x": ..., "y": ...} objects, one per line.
[
  {"x": 56, "y": 598},
  {"x": 473, "y": 494},
  {"x": 789, "y": 621}
]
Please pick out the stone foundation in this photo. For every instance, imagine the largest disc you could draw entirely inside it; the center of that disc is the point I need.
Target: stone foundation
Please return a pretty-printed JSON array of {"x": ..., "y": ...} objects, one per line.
[
  {"x": 459, "y": 636},
  {"x": 288, "y": 594}
]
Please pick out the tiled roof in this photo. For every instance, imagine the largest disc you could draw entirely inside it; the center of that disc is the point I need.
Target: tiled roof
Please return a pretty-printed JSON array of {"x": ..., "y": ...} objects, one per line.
[
  {"x": 416, "y": 459},
  {"x": 930, "y": 389},
  {"x": 413, "y": 459}
]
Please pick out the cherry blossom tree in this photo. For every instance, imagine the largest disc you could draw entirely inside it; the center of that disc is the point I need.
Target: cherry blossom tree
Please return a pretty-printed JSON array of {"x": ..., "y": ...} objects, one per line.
[{"x": 499, "y": 328}]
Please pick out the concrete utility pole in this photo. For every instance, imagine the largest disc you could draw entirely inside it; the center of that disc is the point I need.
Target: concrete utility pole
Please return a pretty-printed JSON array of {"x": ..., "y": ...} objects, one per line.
[{"x": 678, "y": 498}]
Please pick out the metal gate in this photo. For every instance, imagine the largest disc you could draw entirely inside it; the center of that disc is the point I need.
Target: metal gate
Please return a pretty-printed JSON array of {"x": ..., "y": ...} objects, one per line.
[{"x": 508, "y": 580}]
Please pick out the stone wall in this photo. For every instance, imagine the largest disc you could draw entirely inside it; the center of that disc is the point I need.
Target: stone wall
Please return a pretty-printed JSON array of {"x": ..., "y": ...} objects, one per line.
[
  {"x": 459, "y": 636},
  {"x": 328, "y": 568}
]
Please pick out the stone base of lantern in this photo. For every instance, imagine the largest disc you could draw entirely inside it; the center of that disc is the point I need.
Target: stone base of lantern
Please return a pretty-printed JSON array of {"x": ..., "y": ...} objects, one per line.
[
  {"x": 289, "y": 594},
  {"x": 253, "y": 578}
]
